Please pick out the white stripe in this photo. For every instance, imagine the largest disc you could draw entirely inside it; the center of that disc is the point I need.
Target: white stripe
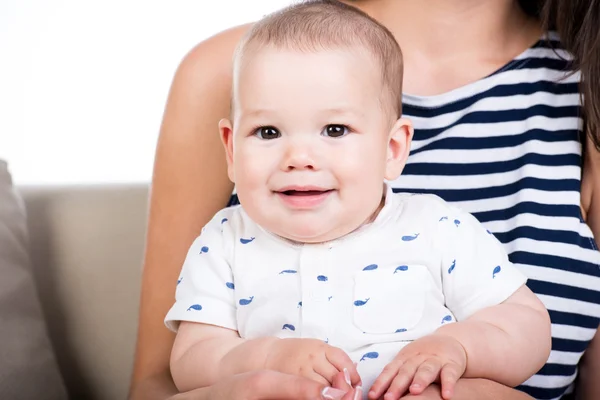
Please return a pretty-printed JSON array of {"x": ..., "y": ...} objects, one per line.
[
  {"x": 460, "y": 156},
  {"x": 569, "y": 305},
  {"x": 486, "y": 104},
  {"x": 550, "y": 381},
  {"x": 538, "y": 221},
  {"x": 572, "y": 332},
  {"x": 510, "y": 77},
  {"x": 554, "y": 249},
  {"x": 504, "y": 202},
  {"x": 563, "y": 357},
  {"x": 544, "y": 52},
  {"x": 570, "y": 278}
]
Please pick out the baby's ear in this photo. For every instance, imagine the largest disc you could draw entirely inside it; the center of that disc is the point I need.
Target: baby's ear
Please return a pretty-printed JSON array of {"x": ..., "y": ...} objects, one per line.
[
  {"x": 226, "y": 130},
  {"x": 400, "y": 138}
]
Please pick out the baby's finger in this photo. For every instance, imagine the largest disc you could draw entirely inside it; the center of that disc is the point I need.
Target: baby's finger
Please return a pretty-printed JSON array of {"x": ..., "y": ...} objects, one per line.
[
  {"x": 405, "y": 376},
  {"x": 426, "y": 374},
  {"x": 327, "y": 370},
  {"x": 317, "y": 378},
  {"x": 449, "y": 375},
  {"x": 384, "y": 380},
  {"x": 340, "y": 360}
]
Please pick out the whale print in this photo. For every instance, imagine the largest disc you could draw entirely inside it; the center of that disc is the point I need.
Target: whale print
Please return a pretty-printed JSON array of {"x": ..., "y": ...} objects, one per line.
[
  {"x": 299, "y": 304},
  {"x": 288, "y": 271},
  {"x": 447, "y": 318},
  {"x": 329, "y": 298},
  {"x": 230, "y": 285},
  {"x": 224, "y": 220},
  {"x": 452, "y": 267},
  {"x": 456, "y": 222},
  {"x": 410, "y": 238},
  {"x": 179, "y": 280},
  {"x": 488, "y": 231},
  {"x": 326, "y": 340},
  {"x": 322, "y": 278},
  {"x": 372, "y": 355},
  {"x": 443, "y": 219},
  {"x": 360, "y": 303},
  {"x": 370, "y": 267},
  {"x": 245, "y": 302},
  {"x": 196, "y": 307},
  {"x": 496, "y": 271},
  {"x": 204, "y": 249},
  {"x": 246, "y": 241},
  {"x": 288, "y": 327},
  {"x": 400, "y": 330},
  {"x": 401, "y": 268}
]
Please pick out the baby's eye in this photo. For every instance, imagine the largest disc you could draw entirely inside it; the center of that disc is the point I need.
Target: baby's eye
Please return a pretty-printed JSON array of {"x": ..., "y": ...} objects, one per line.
[
  {"x": 335, "y": 131},
  {"x": 267, "y": 133}
]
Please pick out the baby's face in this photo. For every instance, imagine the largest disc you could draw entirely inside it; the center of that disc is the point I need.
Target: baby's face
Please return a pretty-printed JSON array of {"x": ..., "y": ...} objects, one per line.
[{"x": 312, "y": 142}]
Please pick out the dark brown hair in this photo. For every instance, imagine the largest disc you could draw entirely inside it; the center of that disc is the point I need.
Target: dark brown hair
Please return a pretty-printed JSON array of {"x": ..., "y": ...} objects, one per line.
[
  {"x": 316, "y": 25},
  {"x": 578, "y": 25}
]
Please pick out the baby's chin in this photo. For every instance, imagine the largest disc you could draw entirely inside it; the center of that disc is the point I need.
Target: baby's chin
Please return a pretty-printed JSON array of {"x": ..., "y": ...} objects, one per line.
[{"x": 311, "y": 233}]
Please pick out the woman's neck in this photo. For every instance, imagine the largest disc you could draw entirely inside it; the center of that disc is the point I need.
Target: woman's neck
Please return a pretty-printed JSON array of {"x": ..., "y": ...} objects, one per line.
[{"x": 457, "y": 41}]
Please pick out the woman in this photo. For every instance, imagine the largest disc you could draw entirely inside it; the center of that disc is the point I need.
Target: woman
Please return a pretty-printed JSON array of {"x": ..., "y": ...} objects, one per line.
[{"x": 497, "y": 131}]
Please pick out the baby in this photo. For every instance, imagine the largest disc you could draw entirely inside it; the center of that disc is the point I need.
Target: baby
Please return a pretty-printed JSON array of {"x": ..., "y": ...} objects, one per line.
[{"x": 323, "y": 268}]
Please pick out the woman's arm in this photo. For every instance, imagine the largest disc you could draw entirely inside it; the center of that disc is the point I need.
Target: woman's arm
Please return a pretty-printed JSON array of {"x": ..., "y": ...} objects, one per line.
[
  {"x": 589, "y": 384},
  {"x": 470, "y": 389},
  {"x": 189, "y": 186}
]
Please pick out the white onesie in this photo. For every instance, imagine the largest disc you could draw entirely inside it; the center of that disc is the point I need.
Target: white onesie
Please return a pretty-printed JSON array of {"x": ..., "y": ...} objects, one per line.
[{"x": 421, "y": 263}]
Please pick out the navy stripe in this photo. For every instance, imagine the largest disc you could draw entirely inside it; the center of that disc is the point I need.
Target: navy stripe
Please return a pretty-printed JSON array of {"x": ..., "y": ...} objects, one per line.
[
  {"x": 496, "y": 167},
  {"x": 454, "y": 195},
  {"x": 566, "y": 292},
  {"x": 499, "y": 142},
  {"x": 529, "y": 207},
  {"x": 546, "y": 235},
  {"x": 570, "y": 345},
  {"x": 557, "y": 370},
  {"x": 491, "y": 117},
  {"x": 554, "y": 262},
  {"x": 543, "y": 393},
  {"x": 572, "y": 319},
  {"x": 233, "y": 200},
  {"x": 552, "y": 88}
]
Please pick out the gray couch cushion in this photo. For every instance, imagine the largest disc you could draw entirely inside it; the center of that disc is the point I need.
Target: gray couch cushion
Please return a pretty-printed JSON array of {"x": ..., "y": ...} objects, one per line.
[{"x": 28, "y": 368}]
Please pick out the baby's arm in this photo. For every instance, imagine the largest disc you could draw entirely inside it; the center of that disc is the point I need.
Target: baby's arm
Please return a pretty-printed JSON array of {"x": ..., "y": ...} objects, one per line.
[
  {"x": 204, "y": 354},
  {"x": 506, "y": 343}
]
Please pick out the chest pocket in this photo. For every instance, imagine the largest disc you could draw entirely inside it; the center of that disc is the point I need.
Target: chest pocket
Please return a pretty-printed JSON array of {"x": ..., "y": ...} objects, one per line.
[{"x": 391, "y": 299}]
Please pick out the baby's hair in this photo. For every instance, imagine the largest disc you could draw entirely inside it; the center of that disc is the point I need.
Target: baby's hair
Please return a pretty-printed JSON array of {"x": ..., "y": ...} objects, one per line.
[{"x": 316, "y": 25}]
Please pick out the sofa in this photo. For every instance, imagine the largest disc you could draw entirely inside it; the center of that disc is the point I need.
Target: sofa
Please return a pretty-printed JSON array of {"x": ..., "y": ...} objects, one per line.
[{"x": 86, "y": 249}]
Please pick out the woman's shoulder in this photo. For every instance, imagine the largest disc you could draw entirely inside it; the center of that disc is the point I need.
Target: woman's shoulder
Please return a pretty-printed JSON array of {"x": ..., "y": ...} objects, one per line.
[{"x": 213, "y": 55}]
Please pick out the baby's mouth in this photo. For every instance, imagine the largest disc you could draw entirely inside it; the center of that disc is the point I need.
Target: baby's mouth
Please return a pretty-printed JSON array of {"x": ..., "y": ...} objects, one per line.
[{"x": 304, "y": 192}]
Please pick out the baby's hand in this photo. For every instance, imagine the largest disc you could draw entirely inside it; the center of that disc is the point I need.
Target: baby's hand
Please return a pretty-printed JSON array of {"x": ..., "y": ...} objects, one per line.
[
  {"x": 310, "y": 358},
  {"x": 429, "y": 359}
]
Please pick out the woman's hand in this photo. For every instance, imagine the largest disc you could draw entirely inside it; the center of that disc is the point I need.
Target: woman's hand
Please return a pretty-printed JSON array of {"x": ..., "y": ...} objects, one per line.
[
  {"x": 272, "y": 385},
  {"x": 469, "y": 389}
]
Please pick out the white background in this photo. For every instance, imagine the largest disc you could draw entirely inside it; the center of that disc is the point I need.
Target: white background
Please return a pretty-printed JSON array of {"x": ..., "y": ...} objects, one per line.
[{"x": 83, "y": 83}]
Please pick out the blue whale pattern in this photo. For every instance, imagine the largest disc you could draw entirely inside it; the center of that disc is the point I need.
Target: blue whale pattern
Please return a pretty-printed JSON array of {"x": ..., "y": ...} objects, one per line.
[
  {"x": 372, "y": 355},
  {"x": 288, "y": 327},
  {"x": 322, "y": 278},
  {"x": 204, "y": 249},
  {"x": 409, "y": 238},
  {"x": 496, "y": 271},
  {"x": 246, "y": 241},
  {"x": 443, "y": 219},
  {"x": 230, "y": 285},
  {"x": 196, "y": 307},
  {"x": 370, "y": 267},
  {"x": 452, "y": 266},
  {"x": 245, "y": 302},
  {"x": 401, "y": 268},
  {"x": 400, "y": 330},
  {"x": 288, "y": 271},
  {"x": 447, "y": 318},
  {"x": 360, "y": 303},
  {"x": 456, "y": 222}
]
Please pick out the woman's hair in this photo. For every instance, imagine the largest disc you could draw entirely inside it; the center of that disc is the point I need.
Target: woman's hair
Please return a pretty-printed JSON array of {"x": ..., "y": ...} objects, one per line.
[{"x": 578, "y": 25}]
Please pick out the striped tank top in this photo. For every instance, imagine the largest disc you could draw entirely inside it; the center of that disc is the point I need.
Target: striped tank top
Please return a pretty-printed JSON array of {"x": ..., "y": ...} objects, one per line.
[{"x": 507, "y": 149}]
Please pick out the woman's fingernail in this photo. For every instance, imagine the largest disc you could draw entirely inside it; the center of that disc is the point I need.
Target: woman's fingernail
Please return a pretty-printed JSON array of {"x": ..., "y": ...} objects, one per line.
[
  {"x": 347, "y": 376},
  {"x": 358, "y": 393},
  {"x": 330, "y": 393}
]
